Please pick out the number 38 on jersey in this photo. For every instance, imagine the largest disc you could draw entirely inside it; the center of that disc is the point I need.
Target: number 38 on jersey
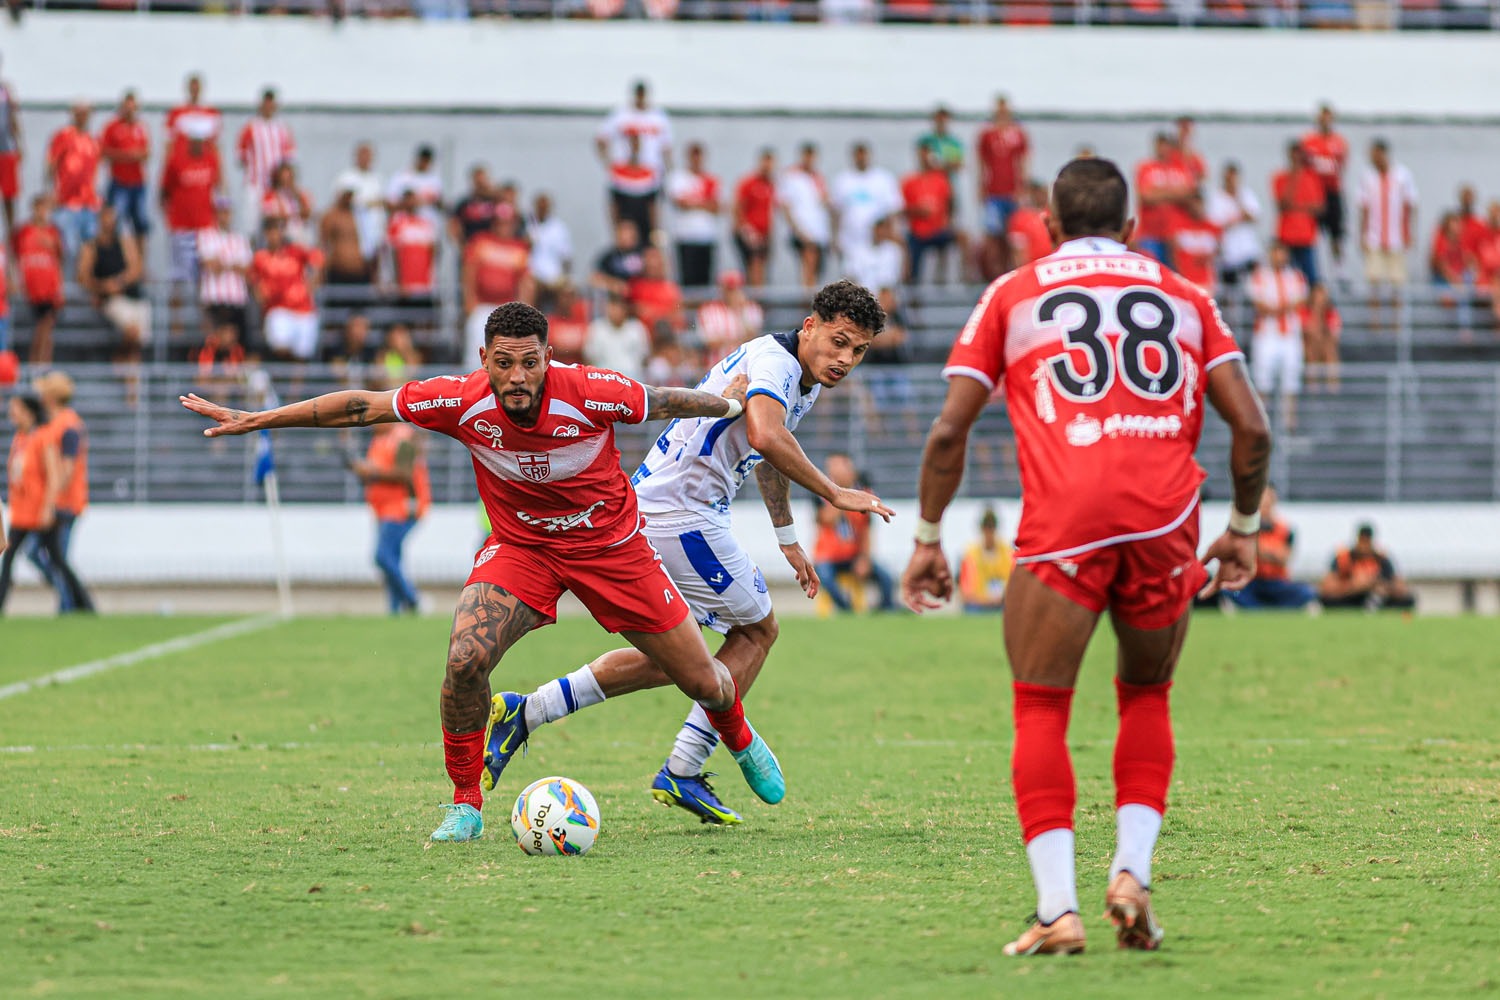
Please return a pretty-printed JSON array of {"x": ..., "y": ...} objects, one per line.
[{"x": 1126, "y": 333}]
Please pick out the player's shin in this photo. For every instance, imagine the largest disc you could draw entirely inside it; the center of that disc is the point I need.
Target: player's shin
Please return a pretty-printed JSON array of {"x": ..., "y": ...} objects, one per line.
[
  {"x": 1042, "y": 773},
  {"x": 463, "y": 754},
  {"x": 730, "y": 721},
  {"x": 695, "y": 743},
  {"x": 1144, "y": 754},
  {"x": 563, "y": 696}
]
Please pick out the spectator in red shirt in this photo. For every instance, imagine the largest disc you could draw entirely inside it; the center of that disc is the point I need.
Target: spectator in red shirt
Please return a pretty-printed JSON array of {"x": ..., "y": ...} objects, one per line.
[
  {"x": 1321, "y": 327},
  {"x": 567, "y": 325},
  {"x": 928, "y": 199},
  {"x": 730, "y": 320},
  {"x": 73, "y": 172},
  {"x": 413, "y": 239},
  {"x": 1002, "y": 149},
  {"x": 1472, "y": 224},
  {"x": 634, "y": 187},
  {"x": 10, "y": 154},
  {"x": 655, "y": 298},
  {"x": 1327, "y": 154},
  {"x": 1300, "y": 201},
  {"x": 1195, "y": 246},
  {"x": 1186, "y": 152},
  {"x": 189, "y": 181},
  {"x": 754, "y": 204},
  {"x": 496, "y": 270},
  {"x": 1162, "y": 187},
  {"x": 205, "y": 119},
  {"x": 290, "y": 203},
  {"x": 1487, "y": 261},
  {"x": 1452, "y": 266},
  {"x": 39, "y": 258},
  {"x": 1028, "y": 235},
  {"x": 126, "y": 145},
  {"x": 284, "y": 275},
  {"x": 694, "y": 193}
]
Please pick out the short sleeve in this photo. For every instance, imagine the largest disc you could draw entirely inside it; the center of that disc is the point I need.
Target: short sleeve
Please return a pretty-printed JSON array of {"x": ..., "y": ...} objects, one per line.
[
  {"x": 72, "y": 441},
  {"x": 614, "y": 397},
  {"x": 979, "y": 352},
  {"x": 774, "y": 373},
  {"x": 1218, "y": 340},
  {"x": 434, "y": 404}
]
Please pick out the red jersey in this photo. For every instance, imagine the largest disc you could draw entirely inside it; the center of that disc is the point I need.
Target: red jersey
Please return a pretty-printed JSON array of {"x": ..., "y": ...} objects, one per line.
[
  {"x": 1104, "y": 355},
  {"x": 498, "y": 265},
  {"x": 1487, "y": 258},
  {"x": 1002, "y": 154},
  {"x": 1156, "y": 222},
  {"x": 566, "y": 333},
  {"x": 1327, "y": 155},
  {"x": 1450, "y": 259},
  {"x": 414, "y": 239},
  {"x": 120, "y": 136},
  {"x": 929, "y": 200},
  {"x": 1475, "y": 232},
  {"x": 1195, "y": 250},
  {"x": 39, "y": 255},
  {"x": 74, "y": 159},
  {"x": 756, "y": 197},
  {"x": 1029, "y": 237},
  {"x": 656, "y": 300},
  {"x": 633, "y": 179},
  {"x": 188, "y": 183},
  {"x": 557, "y": 486},
  {"x": 1298, "y": 225},
  {"x": 201, "y": 115},
  {"x": 281, "y": 277}
]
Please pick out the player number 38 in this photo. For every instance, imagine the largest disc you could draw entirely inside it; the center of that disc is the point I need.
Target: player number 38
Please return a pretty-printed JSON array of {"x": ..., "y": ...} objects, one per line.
[{"x": 1146, "y": 319}]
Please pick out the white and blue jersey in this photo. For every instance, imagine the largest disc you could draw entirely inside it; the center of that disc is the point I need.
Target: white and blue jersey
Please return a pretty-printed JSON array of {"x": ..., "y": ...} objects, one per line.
[{"x": 694, "y": 470}]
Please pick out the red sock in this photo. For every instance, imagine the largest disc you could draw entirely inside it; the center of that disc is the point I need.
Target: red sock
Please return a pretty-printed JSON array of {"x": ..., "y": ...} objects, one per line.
[
  {"x": 1040, "y": 769},
  {"x": 1144, "y": 749},
  {"x": 731, "y": 724},
  {"x": 464, "y": 755}
]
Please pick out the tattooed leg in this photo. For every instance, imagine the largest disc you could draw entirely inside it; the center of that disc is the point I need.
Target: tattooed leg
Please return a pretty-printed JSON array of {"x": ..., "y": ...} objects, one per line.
[{"x": 489, "y": 620}]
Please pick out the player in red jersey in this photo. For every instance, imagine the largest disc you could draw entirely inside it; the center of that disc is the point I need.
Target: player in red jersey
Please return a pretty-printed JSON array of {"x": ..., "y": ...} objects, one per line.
[
  {"x": 1105, "y": 357},
  {"x": 564, "y": 517}
]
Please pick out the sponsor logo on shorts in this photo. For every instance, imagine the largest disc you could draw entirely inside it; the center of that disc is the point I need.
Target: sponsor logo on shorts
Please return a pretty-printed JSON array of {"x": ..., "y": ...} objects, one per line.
[
  {"x": 441, "y": 403},
  {"x": 489, "y": 430},
  {"x": 565, "y": 522},
  {"x": 1082, "y": 431},
  {"x": 486, "y": 554},
  {"x": 708, "y": 620},
  {"x": 760, "y": 581},
  {"x": 537, "y": 468},
  {"x": 596, "y": 404},
  {"x": 609, "y": 377},
  {"x": 565, "y": 431},
  {"x": 1068, "y": 569}
]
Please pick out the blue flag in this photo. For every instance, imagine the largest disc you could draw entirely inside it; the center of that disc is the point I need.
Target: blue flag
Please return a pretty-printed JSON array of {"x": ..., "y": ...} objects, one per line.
[{"x": 265, "y": 463}]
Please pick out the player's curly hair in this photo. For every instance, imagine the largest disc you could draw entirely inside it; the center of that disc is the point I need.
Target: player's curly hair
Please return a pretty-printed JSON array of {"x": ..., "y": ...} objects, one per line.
[
  {"x": 853, "y": 302},
  {"x": 515, "y": 319}
]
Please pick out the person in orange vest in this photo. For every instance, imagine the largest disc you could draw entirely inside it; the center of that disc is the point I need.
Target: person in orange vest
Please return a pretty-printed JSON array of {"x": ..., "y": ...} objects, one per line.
[
  {"x": 1362, "y": 575},
  {"x": 35, "y": 481},
  {"x": 398, "y": 492},
  {"x": 70, "y": 437},
  {"x": 1273, "y": 586},
  {"x": 843, "y": 543}
]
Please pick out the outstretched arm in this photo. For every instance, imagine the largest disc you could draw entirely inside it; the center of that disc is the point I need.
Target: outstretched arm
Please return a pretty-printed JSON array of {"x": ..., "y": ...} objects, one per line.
[
  {"x": 351, "y": 408},
  {"x": 765, "y": 421},
  {"x": 776, "y": 491},
  {"x": 667, "y": 402}
]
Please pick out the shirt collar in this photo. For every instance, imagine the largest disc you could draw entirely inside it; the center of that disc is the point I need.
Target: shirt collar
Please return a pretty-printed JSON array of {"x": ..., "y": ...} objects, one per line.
[{"x": 1091, "y": 246}]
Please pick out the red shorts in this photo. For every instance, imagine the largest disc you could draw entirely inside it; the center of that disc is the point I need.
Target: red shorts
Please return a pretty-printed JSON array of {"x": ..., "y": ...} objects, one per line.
[
  {"x": 625, "y": 588},
  {"x": 10, "y": 180},
  {"x": 1148, "y": 584}
]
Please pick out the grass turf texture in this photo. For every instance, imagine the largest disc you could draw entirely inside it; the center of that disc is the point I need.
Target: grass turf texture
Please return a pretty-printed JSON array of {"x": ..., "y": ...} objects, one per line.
[{"x": 249, "y": 819}]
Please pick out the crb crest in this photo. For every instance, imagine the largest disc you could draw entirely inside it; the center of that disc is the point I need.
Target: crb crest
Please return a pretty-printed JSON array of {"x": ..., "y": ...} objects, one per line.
[{"x": 537, "y": 468}]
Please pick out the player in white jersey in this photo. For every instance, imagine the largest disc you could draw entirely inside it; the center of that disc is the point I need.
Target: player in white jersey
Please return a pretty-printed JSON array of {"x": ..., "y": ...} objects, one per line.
[{"x": 685, "y": 486}]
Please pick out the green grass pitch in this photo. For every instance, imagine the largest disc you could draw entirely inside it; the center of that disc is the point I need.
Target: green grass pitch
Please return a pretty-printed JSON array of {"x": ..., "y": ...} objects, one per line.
[{"x": 250, "y": 819}]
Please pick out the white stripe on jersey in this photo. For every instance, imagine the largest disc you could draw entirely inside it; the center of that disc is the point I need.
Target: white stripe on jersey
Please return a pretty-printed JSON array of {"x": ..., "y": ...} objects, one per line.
[
  {"x": 699, "y": 464},
  {"x": 269, "y": 143},
  {"x": 227, "y": 288}
]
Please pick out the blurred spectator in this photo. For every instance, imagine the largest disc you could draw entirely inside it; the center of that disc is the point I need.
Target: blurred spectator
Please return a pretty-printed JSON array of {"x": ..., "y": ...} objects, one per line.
[
  {"x": 1278, "y": 291},
  {"x": 1487, "y": 260},
  {"x": 846, "y": 11},
  {"x": 286, "y": 201},
  {"x": 803, "y": 199},
  {"x": 348, "y": 273},
  {"x": 397, "y": 488},
  {"x": 654, "y": 296},
  {"x": 126, "y": 146},
  {"x": 413, "y": 238},
  {"x": 1450, "y": 266},
  {"x": 1027, "y": 233},
  {"x": 985, "y": 569},
  {"x": 1322, "y": 325},
  {"x": 669, "y": 364},
  {"x": 928, "y": 199},
  {"x": 1235, "y": 210},
  {"x": 1300, "y": 202},
  {"x": 694, "y": 193},
  {"x": 284, "y": 275},
  {"x": 354, "y": 354},
  {"x": 1185, "y": 150},
  {"x": 224, "y": 259},
  {"x": 109, "y": 271},
  {"x": 617, "y": 340},
  {"x": 422, "y": 179},
  {"x": 1195, "y": 245},
  {"x": 494, "y": 272},
  {"x": 860, "y": 195},
  {"x": 1273, "y": 586},
  {"x": 883, "y": 263},
  {"x": 568, "y": 324},
  {"x": 71, "y": 438},
  {"x": 634, "y": 188},
  {"x": 1002, "y": 150},
  {"x": 1162, "y": 186},
  {"x": 947, "y": 149},
  {"x": 551, "y": 249},
  {"x": 621, "y": 263},
  {"x": 1387, "y": 215},
  {"x": 10, "y": 154},
  {"x": 39, "y": 258},
  {"x": 1474, "y": 230},
  {"x": 476, "y": 209},
  {"x": 647, "y": 123},
  {"x": 399, "y": 358},
  {"x": 73, "y": 172},
  {"x": 189, "y": 180},
  {"x": 264, "y": 142},
  {"x": 10, "y": 365},
  {"x": 754, "y": 202},
  {"x": 192, "y": 114},
  {"x": 1327, "y": 154},
  {"x": 843, "y": 544},
  {"x": 731, "y": 319},
  {"x": 369, "y": 201},
  {"x": 886, "y": 370},
  {"x": 1362, "y": 575}
]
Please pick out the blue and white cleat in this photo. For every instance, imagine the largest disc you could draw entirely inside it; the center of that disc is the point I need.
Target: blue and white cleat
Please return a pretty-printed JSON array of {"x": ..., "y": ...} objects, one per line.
[
  {"x": 761, "y": 769},
  {"x": 505, "y": 734},
  {"x": 463, "y": 823},
  {"x": 695, "y": 795}
]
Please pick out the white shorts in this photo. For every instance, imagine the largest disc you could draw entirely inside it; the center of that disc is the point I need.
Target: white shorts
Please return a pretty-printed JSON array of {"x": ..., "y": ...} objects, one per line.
[
  {"x": 720, "y": 581},
  {"x": 293, "y": 333},
  {"x": 1276, "y": 362},
  {"x": 474, "y": 334},
  {"x": 123, "y": 313}
]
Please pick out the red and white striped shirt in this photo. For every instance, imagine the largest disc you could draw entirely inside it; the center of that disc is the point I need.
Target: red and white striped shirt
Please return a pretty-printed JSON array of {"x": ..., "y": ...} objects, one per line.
[
  {"x": 228, "y": 250},
  {"x": 1385, "y": 198},
  {"x": 263, "y": 144},
  {"x": 723, "y": 328},
  {"x": 1281, "y": 293}
]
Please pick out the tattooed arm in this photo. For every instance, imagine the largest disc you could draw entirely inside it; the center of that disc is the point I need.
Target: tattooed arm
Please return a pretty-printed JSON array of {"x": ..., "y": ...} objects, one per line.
[
  {"x": 352, "y": 408},
  {"x": 1249, "y": 463},
  {"x": 776, "y": 491}
]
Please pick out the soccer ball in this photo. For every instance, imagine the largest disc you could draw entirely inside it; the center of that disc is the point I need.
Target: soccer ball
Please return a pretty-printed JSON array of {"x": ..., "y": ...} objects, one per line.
[{"x": 555, "y": 816}]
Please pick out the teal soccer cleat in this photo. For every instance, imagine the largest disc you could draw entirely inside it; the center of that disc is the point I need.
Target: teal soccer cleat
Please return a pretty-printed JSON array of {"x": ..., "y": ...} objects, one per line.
[
  {"x": 505, "y": 735},
  {"x": 761, "y": 769},
  {"x": 695, "y": 795},
  {"x": 463, "y": 823}
]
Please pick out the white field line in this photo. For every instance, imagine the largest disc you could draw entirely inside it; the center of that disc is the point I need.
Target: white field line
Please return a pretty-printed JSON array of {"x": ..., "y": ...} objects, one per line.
[{"x": 156, "y": 649}]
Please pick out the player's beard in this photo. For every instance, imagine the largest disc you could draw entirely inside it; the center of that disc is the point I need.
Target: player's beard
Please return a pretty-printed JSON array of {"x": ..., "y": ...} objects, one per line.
[{"x": 522, "y": 413}]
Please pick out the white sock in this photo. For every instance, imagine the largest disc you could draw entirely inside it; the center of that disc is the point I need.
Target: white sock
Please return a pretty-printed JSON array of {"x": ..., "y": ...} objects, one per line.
[
  {"x": 695, "y": 743},
  {"x": 562, "y": 697},
  {"x": 1051, "y": 857},
  {"x": 1136, "y": 827}
]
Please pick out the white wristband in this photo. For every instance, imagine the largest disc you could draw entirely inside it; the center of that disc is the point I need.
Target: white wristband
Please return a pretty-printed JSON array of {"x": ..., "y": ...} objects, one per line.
[
  {"x": 928, "y": 532},
  {"x": 735, "y": 408},
  {"x": 1244, "y": 524},
  {"x": 786, "y": 534}
]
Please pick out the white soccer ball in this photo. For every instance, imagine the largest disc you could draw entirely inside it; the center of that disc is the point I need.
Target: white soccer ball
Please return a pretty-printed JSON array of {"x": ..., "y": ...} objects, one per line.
[{"x": 555, "y": 816}]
